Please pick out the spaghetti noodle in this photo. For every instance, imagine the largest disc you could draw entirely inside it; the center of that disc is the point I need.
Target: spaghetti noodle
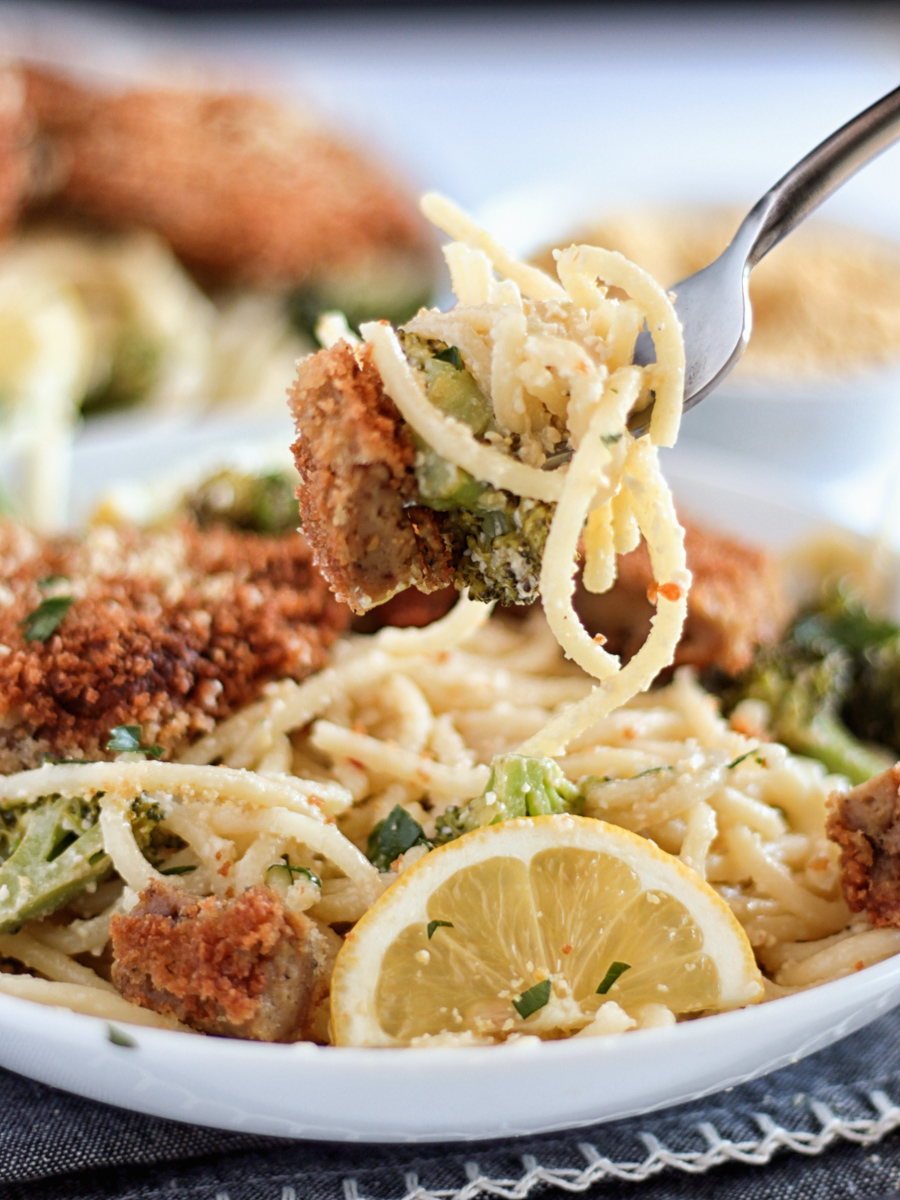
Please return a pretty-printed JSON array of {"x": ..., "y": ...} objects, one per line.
[{"x": 413, "y": 718}]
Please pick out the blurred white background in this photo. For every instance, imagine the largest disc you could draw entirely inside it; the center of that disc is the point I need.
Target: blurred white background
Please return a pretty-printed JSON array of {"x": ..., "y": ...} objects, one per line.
[{"x": 504, "y": 110}]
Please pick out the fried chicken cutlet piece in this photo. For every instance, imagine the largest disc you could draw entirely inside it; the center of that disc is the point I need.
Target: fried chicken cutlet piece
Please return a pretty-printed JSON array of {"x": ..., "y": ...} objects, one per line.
[
  {"x": 242, "y": 968},
  {"x": 865, "y": 823},
  {"x": 171, "y": 630},
  {"x": 245, "y": 191},
  {"x": 373, "y": 536},
  {"x": 355, "y": 458},
  {"x": 735, "y": 604},
  {"x": 15, "y": 158}
]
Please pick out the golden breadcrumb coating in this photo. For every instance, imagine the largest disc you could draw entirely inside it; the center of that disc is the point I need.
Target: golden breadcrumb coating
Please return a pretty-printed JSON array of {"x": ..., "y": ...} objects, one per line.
[
  {"x": 865, "y": 823},
  {"x": 170, "y": 630},
  {"x": 355, "y": 457},
  {"x": 15, "y": 155},
  {"x": 246, "y": 967},
  {"x": 244, "y": 190}
]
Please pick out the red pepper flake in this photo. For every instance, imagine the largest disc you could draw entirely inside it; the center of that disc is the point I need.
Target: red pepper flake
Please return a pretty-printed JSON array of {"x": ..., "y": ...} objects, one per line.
[
  {"x": 671, "y": 591},
  {"x": 354, "y": 762},
  {"x": 567, "y": 949},
  {"x": 859, "y": 966},
  {"x": 599, "y": 639}
]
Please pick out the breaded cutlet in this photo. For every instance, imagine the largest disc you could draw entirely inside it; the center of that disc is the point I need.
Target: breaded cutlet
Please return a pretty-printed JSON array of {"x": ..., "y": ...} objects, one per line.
[
  {"x": 170, "y": 630},
  {"x": 355, "y": 455},
  {"x": 865, "y": 823},
  {"x": 244, "y": 190},
  {"x": 736, "y": 603},
  {"x": 355, "y": 458},
  {"x": 15, "y": 156},
  {"x": 247, "y": 967}
]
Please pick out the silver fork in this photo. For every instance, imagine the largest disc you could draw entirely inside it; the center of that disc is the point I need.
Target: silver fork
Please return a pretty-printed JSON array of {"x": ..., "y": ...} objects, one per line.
[{"x": 714, "y": 304}]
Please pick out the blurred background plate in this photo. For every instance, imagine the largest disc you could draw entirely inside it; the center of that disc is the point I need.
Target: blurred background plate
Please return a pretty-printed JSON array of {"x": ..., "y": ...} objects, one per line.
[{"x": 827, "y": 423}]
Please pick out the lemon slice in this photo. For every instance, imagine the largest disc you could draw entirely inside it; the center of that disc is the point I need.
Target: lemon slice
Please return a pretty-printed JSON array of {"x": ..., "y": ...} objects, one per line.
[{"x": 529, "y": 926}]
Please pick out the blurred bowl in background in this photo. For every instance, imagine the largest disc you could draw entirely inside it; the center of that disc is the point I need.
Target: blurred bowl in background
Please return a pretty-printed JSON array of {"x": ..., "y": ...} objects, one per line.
[{"x": 818, "y": 390}]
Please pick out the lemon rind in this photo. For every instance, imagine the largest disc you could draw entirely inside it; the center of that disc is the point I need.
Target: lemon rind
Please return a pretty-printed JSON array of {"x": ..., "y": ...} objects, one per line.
[{"x": 404, "y": 903}]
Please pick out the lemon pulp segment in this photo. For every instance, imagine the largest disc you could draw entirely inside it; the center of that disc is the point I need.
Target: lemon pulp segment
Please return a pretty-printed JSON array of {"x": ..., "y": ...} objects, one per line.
[
  {"x": 567, "y": 916},
  {"x": 524, "y": 927}
]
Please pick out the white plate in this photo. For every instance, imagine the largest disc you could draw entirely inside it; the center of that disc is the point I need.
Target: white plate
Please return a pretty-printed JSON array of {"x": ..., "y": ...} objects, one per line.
[{"x": 419, "y": 1095}]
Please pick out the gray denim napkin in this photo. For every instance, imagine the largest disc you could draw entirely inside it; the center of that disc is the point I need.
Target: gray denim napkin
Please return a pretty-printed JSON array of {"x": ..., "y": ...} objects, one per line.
[{"x": 821, "y": 1128}]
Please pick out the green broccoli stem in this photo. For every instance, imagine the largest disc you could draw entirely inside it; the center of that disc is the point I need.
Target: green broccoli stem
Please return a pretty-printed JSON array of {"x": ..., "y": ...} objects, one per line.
[
  {"x": 497, "y": 538},
  {"x": 827, "y": 739},
  {"x": 832, "y": 686},
  {"x": 59, "y": 853},
  {"x": 517, "y": 787}
]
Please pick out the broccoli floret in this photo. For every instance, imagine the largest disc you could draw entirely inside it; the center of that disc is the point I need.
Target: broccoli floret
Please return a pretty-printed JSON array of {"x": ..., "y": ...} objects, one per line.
[
  {"x": 517, "y": 787},
  {"x": 53, "y": 849},
  {"x": 871, "y": 704},
  {"x": 805, "y": 681},
  {"x": 497, "y": 538},
  {"x": 156, "y": 844},
  {"x": 134, "y": 361},
  {"x": 501, "y": 547},
  {"x": 262, "y": 503},
  {"x": 393, "y": 295},
  {"x": 872, "y": 709}
]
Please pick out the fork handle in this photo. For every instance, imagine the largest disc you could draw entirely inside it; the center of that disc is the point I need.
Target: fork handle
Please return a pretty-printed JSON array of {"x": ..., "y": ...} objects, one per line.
[{"x": 815, "y": 177}]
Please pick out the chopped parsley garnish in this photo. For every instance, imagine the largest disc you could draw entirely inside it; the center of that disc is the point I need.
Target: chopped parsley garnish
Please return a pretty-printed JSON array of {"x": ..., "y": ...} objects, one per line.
[
  {"x": 304, "y": 871},
  {"x": 741, "y": 758},
  {"x": 393, "y": 836},
  {"x": 536, "y": 997},
  {"x": 50, "y": 760},
  {"x": 118, "y": 1037},
  {"x": 650, "y": 771},
  {"x": 433, "y": 925},
  {"x": 185, "y": 870},
  {"x": 451, "y": 355},
  {"x": 610, "y": 439},
  {"x": 612, "y": 974},
  {"x": 46, "y": 618},
  {"x": 126, "y": 739}
]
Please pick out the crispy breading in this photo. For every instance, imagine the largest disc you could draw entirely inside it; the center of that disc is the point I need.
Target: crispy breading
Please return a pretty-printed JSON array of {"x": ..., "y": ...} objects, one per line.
[
  {"x": 170, "y": 630},
  {"x": 15, "y": 152},
  {"x": 245, "y": 191},
  {"x": 245, "y": 968},
  {"x": 735, "y": 604},
  {"x": 355, "y": 457},
  {"x": 865, "y": 823}
]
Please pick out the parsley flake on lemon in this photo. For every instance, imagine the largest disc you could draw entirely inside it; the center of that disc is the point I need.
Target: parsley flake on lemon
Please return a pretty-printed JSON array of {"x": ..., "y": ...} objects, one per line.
[{"x": 529, "y": 927}]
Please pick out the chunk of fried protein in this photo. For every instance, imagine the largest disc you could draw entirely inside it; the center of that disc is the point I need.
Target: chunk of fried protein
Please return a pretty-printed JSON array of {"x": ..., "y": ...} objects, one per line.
[
  {"x": 736, "y": 603},
  {"x": 355, "y": 456},
  {"x": 15, "y": 150},
  {"x": 245, "y": 190},
  {"x": 169, "y": 629},
  {"x": 242, "y": 968},
  {"x": 865, "y": 823}
]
